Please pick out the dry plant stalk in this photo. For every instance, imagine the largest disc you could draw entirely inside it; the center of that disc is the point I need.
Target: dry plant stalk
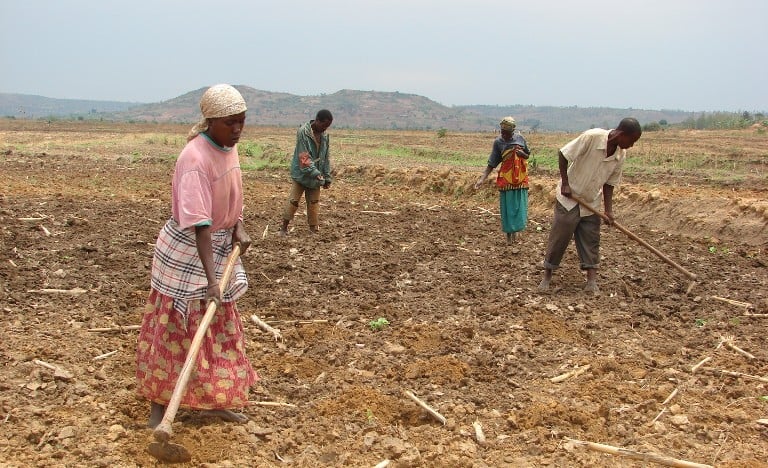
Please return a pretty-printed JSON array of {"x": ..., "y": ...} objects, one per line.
[
  {"x": 479, "y": 435},
  {"x": 58, "y": 372},
  {"x": 671, "y": 395},
  {"x": 701, "y": 363},
  {"x": 267, "y": 328},
  {"x": 483, "y": 210},
  {"x": 44, "y": 438},
  {"x": 663, "y": 410},
  {"x": 737, "y": 374},
  {"x": 271, "y": 403},
  {"x": 746, "y": 305},
  {"x": 73, "y": 291},
  {"x": 425, "y": 406},
  {"x": 764, "y": 422},
  {"x": 382, "y": 464},
  {"x": 113, "y": 329},
  {"x": 299, "y": 322},
  {"x": 648, "y": 457},
  {"x": 576, "y": 372},
  {"x": 664, "y": 403},
  {"x": 45, "y": 364},
  {"x": 727, "y": 340},
  {"x": 380, "y": 212},
  {"x": 104, "y": 356}
]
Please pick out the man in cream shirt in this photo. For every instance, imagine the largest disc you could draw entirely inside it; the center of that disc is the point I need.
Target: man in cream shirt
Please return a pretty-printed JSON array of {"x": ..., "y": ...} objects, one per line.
[{"x": 590, "y": 165}]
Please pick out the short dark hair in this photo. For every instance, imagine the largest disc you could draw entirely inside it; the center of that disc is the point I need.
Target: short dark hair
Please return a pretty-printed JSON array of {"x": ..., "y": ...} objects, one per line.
[
  {"x": 324, "y": 115},
  {"x": 630, "y": 125}
]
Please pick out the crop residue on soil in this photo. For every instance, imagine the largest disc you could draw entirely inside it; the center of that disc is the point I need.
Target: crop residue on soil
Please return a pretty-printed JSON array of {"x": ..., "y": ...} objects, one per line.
[{"x": 468, "y": 332}]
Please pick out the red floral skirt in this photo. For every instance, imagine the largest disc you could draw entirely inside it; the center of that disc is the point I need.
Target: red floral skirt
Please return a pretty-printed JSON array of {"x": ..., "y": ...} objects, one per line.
[{"x": 222, "y": 374}]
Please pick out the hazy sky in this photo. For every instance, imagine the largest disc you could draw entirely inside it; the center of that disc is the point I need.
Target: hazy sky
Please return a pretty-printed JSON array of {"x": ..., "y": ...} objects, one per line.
[{"x": 690, "y": 55}]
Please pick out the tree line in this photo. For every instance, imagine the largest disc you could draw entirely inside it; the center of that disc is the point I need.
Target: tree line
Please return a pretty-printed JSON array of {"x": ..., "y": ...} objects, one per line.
[{"x": 714, "y": 121}]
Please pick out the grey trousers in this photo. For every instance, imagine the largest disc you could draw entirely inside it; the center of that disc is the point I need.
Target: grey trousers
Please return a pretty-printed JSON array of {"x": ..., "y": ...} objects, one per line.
[{"x": 585, "y": 232}]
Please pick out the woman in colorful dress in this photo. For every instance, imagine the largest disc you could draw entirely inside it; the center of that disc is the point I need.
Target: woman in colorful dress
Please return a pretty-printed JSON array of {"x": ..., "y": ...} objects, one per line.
[
  {"x": 511, "y": 151},
  {"x": 190, "y": 254}
]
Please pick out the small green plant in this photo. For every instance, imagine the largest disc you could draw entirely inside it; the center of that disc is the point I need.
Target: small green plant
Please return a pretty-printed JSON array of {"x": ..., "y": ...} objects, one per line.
[
  {"x": 712, "y": 249},
  {"x": 378, "y": 324},
  {"x": 764, "y": 398},
  {"x": 533, "y": 163},
  {"x": 251, "y": 149},
  {"x": 170, "y": 141},
  {"x": 256, "y": 156},
  {"x": 441, "y": 132},
  {"x": 700, "y": 322}
]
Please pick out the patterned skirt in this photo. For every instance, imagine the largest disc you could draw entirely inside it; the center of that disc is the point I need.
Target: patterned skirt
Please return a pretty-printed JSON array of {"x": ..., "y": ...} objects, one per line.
[
  {"x": 221, "y": 376},
  {"x": 513, "y": 205}
]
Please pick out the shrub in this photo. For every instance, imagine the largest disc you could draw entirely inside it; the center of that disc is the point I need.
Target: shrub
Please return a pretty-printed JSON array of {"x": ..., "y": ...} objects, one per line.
[{"x": 652, "y": 127}]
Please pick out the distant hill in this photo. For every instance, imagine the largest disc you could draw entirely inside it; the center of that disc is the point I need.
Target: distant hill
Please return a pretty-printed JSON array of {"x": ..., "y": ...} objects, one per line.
[
  {"x": 27, "y": 106},
  {"x": 351, "y": 109},
  {"x": 574, "y": 119}
]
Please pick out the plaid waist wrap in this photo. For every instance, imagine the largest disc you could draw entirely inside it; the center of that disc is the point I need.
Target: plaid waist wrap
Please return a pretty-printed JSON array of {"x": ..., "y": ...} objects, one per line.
[{"x": 178, "y": 272}]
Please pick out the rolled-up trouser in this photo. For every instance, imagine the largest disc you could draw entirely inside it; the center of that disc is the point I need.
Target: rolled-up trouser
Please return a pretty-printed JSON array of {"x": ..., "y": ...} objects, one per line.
[
  {"x": 584, "y": 230},
  {"x": 312, "y": 197}
]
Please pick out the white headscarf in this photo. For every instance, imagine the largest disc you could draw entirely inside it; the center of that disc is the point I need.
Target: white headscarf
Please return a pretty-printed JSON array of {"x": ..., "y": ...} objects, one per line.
[
  {"x": 221, "y": 100},
  {"x": 508, "y": 123}
]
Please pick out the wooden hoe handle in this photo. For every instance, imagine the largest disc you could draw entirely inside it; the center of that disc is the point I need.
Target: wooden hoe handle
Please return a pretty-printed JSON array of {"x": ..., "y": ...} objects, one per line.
[
  {"x": 163, "y": 430},
  {"x": 637, "y": 239}
]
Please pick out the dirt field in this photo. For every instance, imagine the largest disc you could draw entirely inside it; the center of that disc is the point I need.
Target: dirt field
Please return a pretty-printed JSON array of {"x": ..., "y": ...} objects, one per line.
[{"x": 468, "y": 332}]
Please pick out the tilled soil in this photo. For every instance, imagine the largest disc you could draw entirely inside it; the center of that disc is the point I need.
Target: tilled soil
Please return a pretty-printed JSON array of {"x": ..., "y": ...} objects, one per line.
[{"x": 468, "y": 331}]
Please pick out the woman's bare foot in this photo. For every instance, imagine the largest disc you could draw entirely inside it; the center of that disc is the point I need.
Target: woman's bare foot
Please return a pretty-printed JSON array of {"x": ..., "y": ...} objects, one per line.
[
  {"x": 511, "y": 238},
  {"x": 156, "y": 413},
  {"x": 227, "y": 415}
]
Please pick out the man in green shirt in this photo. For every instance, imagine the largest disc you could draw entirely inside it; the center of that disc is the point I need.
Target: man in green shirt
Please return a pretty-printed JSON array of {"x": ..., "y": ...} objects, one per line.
[{"x": 310, "y": 169}]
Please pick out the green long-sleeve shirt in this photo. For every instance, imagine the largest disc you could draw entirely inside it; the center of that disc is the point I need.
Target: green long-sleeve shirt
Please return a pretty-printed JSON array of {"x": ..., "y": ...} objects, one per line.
[{"x": 319, "y": 157}]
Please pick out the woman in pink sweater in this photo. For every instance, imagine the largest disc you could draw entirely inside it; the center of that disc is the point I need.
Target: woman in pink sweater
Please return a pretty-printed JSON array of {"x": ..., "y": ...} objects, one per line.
[{"x": 190, "y": 254}]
